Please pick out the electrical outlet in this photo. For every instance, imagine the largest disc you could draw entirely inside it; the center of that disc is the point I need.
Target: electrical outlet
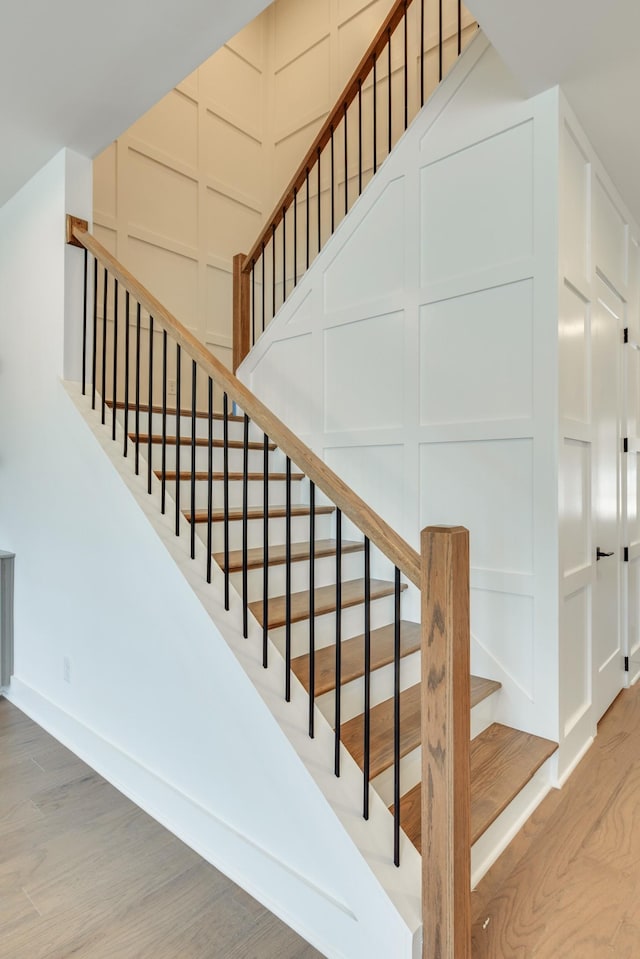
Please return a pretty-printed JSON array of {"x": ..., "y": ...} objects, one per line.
[
  {"x": 171, "y": 387},
  {"x": 66, "y": 669}
]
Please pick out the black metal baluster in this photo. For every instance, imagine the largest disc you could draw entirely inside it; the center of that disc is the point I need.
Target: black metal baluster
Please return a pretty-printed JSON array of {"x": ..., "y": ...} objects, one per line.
[
  {"x": 367, "y": 675},
  {"x": 137, "y": 389},
  {"x": 225, "y": 452},
  {"x": 396, "y": 723},
  {"x": 263, "y": 287},
  {"x": 178, "y": 404},
  {"x": 295, "y": 237},
  {"x": 210, "y": 482},
  {"x": 126, "y": 372},
  {"x": 389, "y": 87},
  {"x": 332, "y": 186},
  {"x": 273, "y": 270},
  {"x": 287, "y": 599},
  {"x": 406, "y": 84},
  {"x": 338, "y": 702},
  {"x": 114, "y": 395},
  {"x": 375, "y": 117},
  {"x": 359, "y": 137},
  {"x": 253, "y": 302},
  {"x": 421, "y": 53},
  {"x": 284, "y": 254},
  {"x": 346, "y": 164},
  {"x": 94, "y": 359},
  {"x": 459, "y": 27},
  {"x": 245, "y": 528},
  {"x": 84, "y": 325},
  {"x": 319, "y": 212},
  {"x": 105, "y": 293},
  {"x": 194, "y": 390},
  {"x": 150, "y": 414},
  {"x": 308, "y": 216},
  {"x": 265, "y": 553},
  {"x": 163, "y": 496},
  {"x": 312, "y": 607},
  {"x": 440, "y": 40}
]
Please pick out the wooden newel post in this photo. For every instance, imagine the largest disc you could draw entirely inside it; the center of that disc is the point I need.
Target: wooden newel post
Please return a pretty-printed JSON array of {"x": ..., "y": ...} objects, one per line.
[
  {"x": 241, "y": 318},
  {"x": 446, "y": 776}
]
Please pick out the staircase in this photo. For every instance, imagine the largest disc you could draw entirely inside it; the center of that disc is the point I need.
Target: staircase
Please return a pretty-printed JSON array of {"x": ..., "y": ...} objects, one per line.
[
  {"x": 318, "y": 574},
  {"x": 503, "y": 760}
]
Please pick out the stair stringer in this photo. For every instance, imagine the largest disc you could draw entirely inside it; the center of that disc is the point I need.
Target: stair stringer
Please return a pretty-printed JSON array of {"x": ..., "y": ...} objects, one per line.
[{"x": 358, "y": 904}]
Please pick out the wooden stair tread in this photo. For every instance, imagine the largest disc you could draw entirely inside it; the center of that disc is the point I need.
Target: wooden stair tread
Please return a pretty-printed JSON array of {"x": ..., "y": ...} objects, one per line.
[
  {"x": 503, "y": 760},
  {"x": 381, "y": 743},
  {"x": 254, "y": 512},
  {"x": 171, "y": 411},
  {"x": 200, "y": 441},
  {"x": 325, "y": 601},
  {"x": 352, "y": 656},
  {"x": 277, "y": 554},
  {"x": 218, "y": 477}
]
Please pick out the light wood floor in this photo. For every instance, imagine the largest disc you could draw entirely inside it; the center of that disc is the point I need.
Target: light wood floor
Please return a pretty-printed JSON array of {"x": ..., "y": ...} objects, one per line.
[
  {"x": 85, "y": 874},
  {"x": 568, "y": 886}
]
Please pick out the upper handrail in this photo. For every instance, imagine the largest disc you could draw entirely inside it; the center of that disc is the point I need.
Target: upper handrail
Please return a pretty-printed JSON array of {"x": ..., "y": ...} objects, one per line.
[
  {"x": 393, "y": 546},
  {"x": 348, "y": 95}
]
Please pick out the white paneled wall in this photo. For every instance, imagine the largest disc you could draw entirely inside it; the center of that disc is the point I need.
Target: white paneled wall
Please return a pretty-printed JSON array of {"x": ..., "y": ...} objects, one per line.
[
  {"x": 426, "y": 335},
  {"x": 599, "y": 278},
  {"x": 190, "y": 184}
]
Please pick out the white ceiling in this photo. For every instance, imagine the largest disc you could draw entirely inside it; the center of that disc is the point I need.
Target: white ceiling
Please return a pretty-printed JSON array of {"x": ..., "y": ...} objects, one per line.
[
  {"x": 77, "y": 73},
  {"x": 592, "y": 49}
]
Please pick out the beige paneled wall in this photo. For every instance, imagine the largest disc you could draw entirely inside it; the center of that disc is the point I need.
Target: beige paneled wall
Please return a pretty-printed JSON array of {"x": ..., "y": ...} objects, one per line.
[{"x": 190, "y": 184}]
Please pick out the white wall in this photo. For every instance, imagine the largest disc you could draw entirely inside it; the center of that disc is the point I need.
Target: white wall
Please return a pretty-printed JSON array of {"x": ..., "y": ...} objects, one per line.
[
  {"x": 599, "y": 262},
  {"x": 418, "y": 357},
  {"x": 156, "y": 701}
]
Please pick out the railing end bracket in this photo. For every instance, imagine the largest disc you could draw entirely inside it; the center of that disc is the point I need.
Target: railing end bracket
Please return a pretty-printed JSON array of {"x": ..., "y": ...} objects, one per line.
[{"x": 74, "y": 222}]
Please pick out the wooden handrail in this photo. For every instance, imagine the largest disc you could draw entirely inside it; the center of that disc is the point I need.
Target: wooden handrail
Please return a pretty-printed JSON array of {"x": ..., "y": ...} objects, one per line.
[
  {"x": 446, "y": 735},
  {"x": 394, "y": 547},
  {"x": 348, "y": 95}
]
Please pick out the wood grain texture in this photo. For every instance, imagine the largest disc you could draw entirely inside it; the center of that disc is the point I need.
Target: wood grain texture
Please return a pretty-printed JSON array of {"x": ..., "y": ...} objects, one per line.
[
  {"x": 278, "y": 554},
  {"x": 241, "y": 313},
  {"x": 325, "y": 601},
  {"x": 568, "y": 885},
  {"x": 85, "y": 873},
  {"x": 482, "y": 688},
  {"x": 446, "y": 792},
  {"x": 503, "y": 760},
  {"x": 393, "y": 546},
  {"x": 352, "y": 655},
  {"x": 410, "y": 723},
  {"x": 255, "y": 512}
]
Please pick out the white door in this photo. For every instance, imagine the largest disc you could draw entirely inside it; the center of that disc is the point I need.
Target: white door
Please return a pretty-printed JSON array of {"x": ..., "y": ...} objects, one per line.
[{"x": 606, "y": 358}]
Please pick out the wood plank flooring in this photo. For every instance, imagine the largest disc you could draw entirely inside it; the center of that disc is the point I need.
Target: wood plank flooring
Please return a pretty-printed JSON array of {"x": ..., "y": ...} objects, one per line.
[
  {"x": 85, "y": 873},
  {"x": 568, "y": 886}
]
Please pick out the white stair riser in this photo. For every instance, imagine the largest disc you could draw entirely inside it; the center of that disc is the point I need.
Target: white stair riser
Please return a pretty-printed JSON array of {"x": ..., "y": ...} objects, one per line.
[
  {"x": 235, "y": 458},
  {"x": 255, "y": 493},
  {"x": 325, "y": 575},
  {"x": 382, "y": 685},
  {"x": 325, "y": 626},
  {"x": 277, "y": 531}
]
